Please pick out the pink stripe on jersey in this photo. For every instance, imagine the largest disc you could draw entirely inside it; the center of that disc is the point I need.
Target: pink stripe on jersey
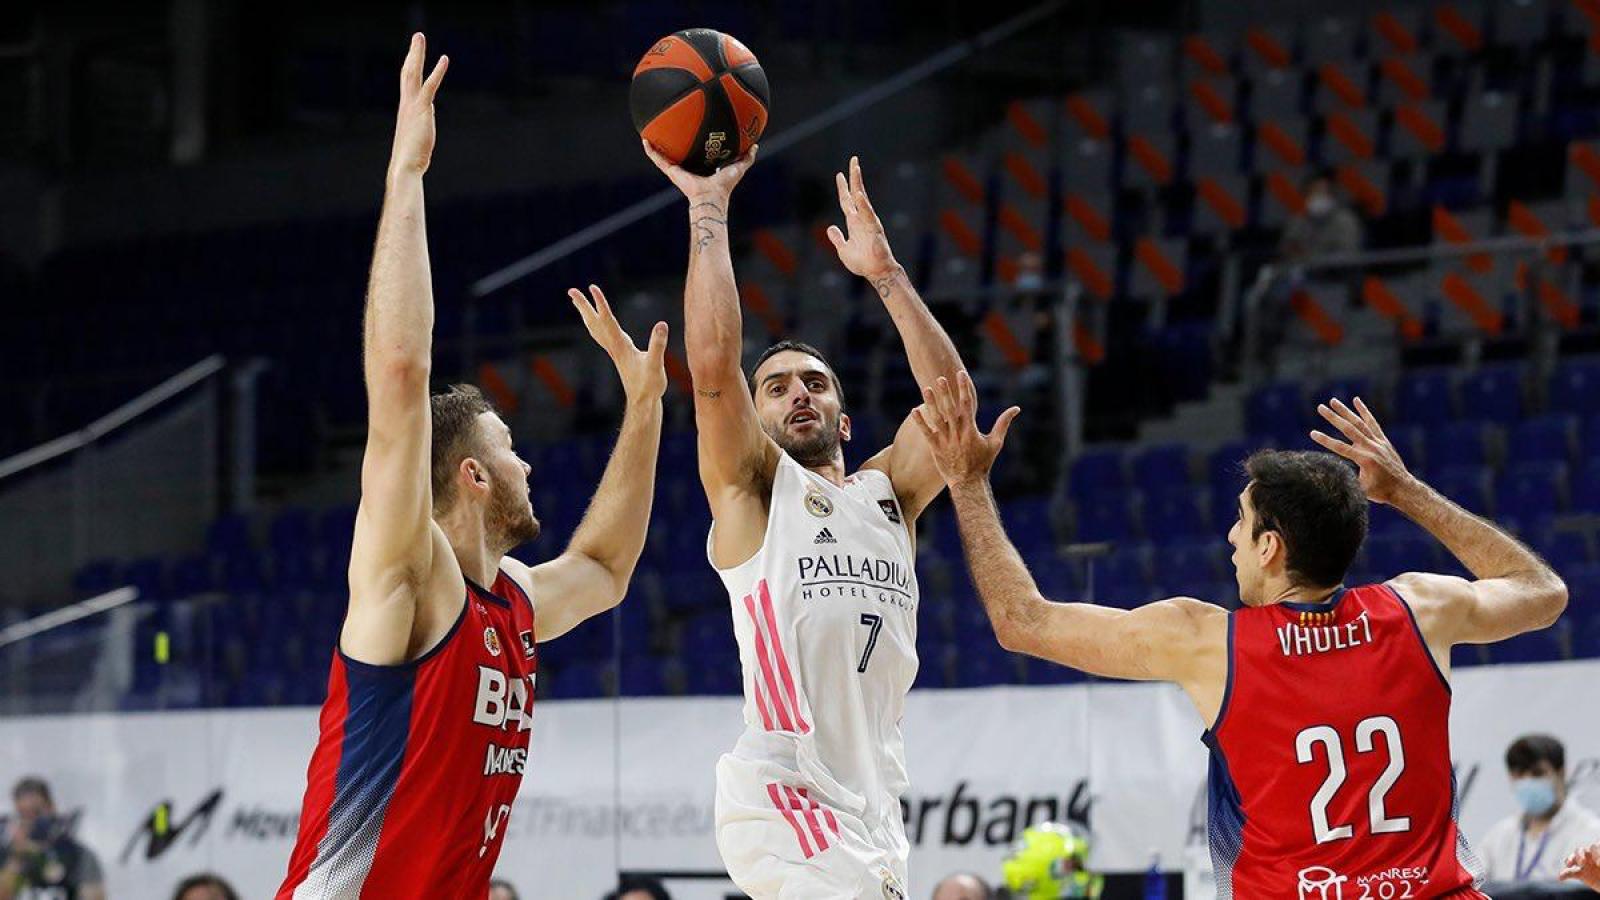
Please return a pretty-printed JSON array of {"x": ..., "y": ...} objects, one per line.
[
  {"x": 833, "y": 824},
  {"x": 766, "y": 667},
  {"x": 799, "y": 833},
  {"x": 783, "y": 662},
  {"x": 813, "y": 821},
  {"x": 761, "y": 704}
]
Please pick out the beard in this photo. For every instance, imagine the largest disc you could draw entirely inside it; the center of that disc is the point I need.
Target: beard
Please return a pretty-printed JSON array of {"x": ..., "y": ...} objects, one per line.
[
  {"x": 510, "y": 520},
  {"x": 819, "y": 448}
]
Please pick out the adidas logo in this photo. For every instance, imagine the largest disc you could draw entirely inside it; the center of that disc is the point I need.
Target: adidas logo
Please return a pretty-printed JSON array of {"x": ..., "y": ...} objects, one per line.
[{"x": 825, "y": 537}]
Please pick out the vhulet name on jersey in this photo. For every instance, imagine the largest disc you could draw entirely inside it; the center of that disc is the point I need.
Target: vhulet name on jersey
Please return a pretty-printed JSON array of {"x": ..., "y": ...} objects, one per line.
[
  {"x": 1303, "y": 640},
  {"x": 857, "y": 568}
]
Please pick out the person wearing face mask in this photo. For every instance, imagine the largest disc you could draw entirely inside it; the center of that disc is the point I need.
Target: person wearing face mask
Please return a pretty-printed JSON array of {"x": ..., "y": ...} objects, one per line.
[
  {"x": 1326, "y": 227},
  {"x": 1530, "y": 845}
]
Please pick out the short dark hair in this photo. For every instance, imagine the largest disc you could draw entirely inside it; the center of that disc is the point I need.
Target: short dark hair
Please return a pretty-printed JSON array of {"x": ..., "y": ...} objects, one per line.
[
  {"x": 649, "y": 885},
  {"x": 455, "y": 435},
  {"x": 802, "y": 347},
  {"x": 205, "y": 879},
  {"x": 1531, "y": 749},
  {"x": 1315, "y": 504},
  {"x": 32, "y": 784}
]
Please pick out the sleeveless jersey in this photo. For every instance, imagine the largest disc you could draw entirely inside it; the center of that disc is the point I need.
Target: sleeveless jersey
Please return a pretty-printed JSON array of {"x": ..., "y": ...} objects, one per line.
[
  {"x": 825, "y": 617},
  {"x": 1330, "y": 758},
  {"x": 417, "y": 764}
]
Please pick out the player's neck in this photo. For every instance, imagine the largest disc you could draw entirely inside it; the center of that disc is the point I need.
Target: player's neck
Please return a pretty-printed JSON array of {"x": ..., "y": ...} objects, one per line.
[
  {"x": 469, "y": 540},
  {"x": 1298, "y": 593},
  {"x": 833, "y": 471}
]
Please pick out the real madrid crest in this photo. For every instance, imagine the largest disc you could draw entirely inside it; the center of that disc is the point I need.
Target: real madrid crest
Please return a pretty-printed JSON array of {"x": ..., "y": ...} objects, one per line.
[
  {"x": 491, "y": 641},
  {"x": 817, "y": 503}
]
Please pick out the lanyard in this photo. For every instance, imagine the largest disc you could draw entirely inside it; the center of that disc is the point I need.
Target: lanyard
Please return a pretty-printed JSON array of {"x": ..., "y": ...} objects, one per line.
[{"x": 1522, "y": 836}]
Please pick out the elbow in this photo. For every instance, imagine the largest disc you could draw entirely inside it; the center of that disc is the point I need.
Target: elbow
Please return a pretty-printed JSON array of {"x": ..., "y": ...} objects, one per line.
[
  {"x": 1010, "y": 638},
  {"x": 401, "y": 369},
  {"x": 1555, "y": 594},
  {"x": 1014, "y": 633}
]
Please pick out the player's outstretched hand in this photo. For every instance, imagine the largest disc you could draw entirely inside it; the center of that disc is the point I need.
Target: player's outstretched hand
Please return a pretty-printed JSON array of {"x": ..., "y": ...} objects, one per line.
[
  {"x": 1382, "y": 473},
  {"x": 413, "y": 126},
  {"x": 643, "y": 372},
  {"x": 716, "y": 187},
  {"x": 948, "y": 418},
  {"x": 1583, "y": 866},
  {"x": 864, "y": 250}
]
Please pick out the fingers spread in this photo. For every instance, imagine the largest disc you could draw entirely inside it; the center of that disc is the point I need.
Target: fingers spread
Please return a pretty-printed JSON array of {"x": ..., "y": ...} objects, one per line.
[
  {"x": 1368, "y": 418},
  {"x": 856, "y": 184},
  {"x": 1346, "y": 427},
  {"x": 969, "y": 393},
  {"x": 1002, "y": 425},
  {"x": 600, "y": 303},
  {"x": 431, "y": 86},
  {"x": 411, "y": 69},
  {"x": 836, "y": 238},
  {"x": 846, "y": 204},
  {"x": 1334, "y": 444},
  {"x": 920, "y": 417}
]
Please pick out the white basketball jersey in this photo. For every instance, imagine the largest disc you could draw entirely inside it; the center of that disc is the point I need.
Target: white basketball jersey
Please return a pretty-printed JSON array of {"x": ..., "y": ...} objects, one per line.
[{"x": 825, "y": 616}]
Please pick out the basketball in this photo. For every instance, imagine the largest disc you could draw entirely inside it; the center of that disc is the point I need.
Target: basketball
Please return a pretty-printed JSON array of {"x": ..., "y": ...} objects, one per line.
[{"x": 700, "y": 97}]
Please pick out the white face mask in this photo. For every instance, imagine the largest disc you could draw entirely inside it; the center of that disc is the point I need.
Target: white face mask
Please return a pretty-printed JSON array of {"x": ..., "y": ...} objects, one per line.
[{"x": 1319, "y": 204}]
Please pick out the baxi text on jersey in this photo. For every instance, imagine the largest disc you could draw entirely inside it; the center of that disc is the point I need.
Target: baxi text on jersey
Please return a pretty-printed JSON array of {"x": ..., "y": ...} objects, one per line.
[
  {"x": 1303, "y": 640},
  {"x": 503, "y": 702}
]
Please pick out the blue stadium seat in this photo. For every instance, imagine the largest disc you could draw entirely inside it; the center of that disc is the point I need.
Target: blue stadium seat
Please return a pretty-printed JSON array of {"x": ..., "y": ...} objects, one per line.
[
  {"x": 1346, "y": 389},
  {"x": 1531, "y": 491},
  {"x": 716, "y": 676},
  {"x": 1493, "y": 394},
  {"x": 1225, "y": 467},
  {"x": 983, "y": 662},
  {"x": 1466, "y": 485},
  {"x": 1058, "y": 578},
  {"x": 1173, "y": 514},
  {"x": 1575, "y": 387},
  {"x": 1161, "y": 467},
  {"x": 1589, "y": 441},
  {"x": 1423, "y": 397},
  {"x": 576, "y": 681},
  {"x": 1392, "y": 554},
  {"x": 1097, "y": 472},
  {"x": 1564, "y": 549},
  {"x": 229, "y": 535},
  {"x": 1275, "y": 410},
  {"x": 1043, "y": 671},
  {"x": 1411, "y": 443},
  {"x": 1586, "y": 487},
  {"x": 1029, "y": 522},
  {"x": 1386, "y": 520},
  {"x": 1186, "y": 568},
  {"x": 1541, "y": 439},
  {"x": 291, "y": 529},
  {"x": 1457, "y": 444},
  {"x": 1544, "y": 645},
  {"x": 1224, "y": 508},
  {"x": 1105, "y": 517},
  {"x": 933, "y": 668},
  {"x": 1120, "y": 579},
  {"x": 643, "y": 676}
]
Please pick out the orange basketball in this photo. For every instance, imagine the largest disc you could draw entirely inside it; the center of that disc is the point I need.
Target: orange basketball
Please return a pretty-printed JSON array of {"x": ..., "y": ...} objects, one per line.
[{"x": 700, "y": 97}]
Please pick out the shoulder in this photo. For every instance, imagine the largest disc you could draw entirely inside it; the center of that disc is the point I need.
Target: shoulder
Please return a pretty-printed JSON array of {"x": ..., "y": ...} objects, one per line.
[
  {"x": 520, "y": 573},
  {"x": 1427, "y": 592}
]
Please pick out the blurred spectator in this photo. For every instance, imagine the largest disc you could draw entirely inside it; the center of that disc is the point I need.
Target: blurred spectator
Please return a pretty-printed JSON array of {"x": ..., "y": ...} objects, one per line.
[
  {"x": 1328, "y": 226},
  {"x": 639, "y": 889},
  {"x": 962, "y": 886},
  {"x": 204, "y": 886},
  {"x": 1530, "y": 845},
  {"x": 41, "y": 861},
  {"x": 500, "y": 889},
  {"x": 1583, "y": 866}
]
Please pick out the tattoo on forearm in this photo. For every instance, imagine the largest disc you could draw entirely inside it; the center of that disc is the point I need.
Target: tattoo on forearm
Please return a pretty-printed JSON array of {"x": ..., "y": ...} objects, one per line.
[
  {"x": 704, "y": 219},
  {"x": 708, "y": 394},
  {"x": 885, "y": 283}
]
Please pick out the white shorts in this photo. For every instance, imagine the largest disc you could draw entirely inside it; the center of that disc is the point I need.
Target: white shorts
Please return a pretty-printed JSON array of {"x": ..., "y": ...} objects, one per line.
[{"x": 780, "y": 842}]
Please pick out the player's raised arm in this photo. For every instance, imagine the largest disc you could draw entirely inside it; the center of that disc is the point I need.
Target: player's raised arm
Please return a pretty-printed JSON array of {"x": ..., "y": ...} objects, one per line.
[
  {"x": 592, "y": 575},
  {"x": 1512, "y": 590},
  {"x": 392, "y": 551},
  {"x": 736, "y": 456},
  {"x": 863, "y": 247},
  {"x": 1173, "y": 640}
]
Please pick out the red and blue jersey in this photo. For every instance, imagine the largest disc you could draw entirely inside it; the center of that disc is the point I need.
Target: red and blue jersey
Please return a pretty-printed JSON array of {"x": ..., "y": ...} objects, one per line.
[
  {"x": 416, "y": 765},
  {"x": 1330, "y": 758}
]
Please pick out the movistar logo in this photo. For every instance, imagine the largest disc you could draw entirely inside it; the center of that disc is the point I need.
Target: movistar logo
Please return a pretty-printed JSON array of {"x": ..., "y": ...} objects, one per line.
[{"x": 161, "y": 831}]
